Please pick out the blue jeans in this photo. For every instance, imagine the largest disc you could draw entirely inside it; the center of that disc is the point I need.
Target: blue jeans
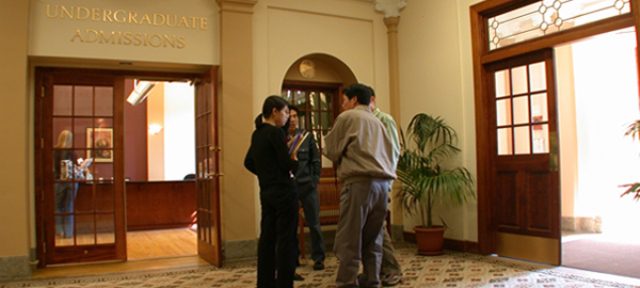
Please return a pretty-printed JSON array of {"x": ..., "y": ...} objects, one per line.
[{"x": 65, "y": 200}]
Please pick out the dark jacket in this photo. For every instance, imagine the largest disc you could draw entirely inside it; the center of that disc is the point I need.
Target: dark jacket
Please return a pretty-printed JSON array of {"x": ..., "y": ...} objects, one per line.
[
  {"x": 308, "y": 161},
  {"x": 268, "y": 157}
]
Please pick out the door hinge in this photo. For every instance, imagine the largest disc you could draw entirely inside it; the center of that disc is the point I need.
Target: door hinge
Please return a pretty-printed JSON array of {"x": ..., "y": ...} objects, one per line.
[
  {"x": 41, "y": 143},
  {"x": 41, "y": 91}
]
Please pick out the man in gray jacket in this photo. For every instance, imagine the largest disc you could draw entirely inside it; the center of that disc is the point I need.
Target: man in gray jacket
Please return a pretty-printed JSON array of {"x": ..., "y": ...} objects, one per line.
[{"x": 366, "y": 161}]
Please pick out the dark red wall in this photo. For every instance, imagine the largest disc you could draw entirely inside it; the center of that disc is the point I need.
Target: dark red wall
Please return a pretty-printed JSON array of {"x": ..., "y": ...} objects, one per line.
[{"x": 135, "y": 138}]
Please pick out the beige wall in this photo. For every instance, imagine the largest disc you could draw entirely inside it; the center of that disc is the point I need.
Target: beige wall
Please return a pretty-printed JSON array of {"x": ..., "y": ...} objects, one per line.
[
  {"x": 14, "y": 126},
  {"x": 155, "y": 143},
  {"x": 286, "y": 30},
  {"x": 436, "y": 77},
  {"x": 435, "y": 72}
]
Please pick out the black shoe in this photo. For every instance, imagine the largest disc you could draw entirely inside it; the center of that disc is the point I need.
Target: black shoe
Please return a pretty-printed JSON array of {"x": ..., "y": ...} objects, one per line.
[
  {"x": 318, "y": 265},
  {"x": 297, "y": 277}
]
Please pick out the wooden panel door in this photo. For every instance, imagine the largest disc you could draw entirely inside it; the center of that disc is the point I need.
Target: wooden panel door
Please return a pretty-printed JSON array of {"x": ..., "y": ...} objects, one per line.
[
  {"x": 526, "y": 194},
  {"x": 80, "y": 212},
  {"x": 208, "y": 169}
]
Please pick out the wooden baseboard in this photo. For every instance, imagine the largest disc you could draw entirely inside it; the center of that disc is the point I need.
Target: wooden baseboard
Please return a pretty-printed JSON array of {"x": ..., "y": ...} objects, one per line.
[{"x": 449, "y": 244}]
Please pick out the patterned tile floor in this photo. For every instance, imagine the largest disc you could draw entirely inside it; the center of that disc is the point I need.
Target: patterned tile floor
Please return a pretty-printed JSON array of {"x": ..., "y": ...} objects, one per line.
[{"x": 450, "y": 270}]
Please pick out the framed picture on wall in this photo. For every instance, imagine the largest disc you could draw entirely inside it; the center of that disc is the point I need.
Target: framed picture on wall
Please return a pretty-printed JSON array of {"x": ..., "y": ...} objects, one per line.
[{"x": 102, "y": 151}]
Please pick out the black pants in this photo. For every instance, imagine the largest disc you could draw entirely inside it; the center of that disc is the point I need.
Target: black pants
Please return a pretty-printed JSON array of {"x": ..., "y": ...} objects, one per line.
[{"x": 277, "y": 237}]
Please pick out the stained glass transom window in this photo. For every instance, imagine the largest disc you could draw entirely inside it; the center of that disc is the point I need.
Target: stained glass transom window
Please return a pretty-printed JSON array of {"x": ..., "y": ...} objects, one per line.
[{"x": 547, "y": 17}]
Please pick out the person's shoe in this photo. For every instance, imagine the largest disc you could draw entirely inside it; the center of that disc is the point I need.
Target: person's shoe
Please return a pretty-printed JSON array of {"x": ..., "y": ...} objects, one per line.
[
  {"x": 318, "y": 265},
  {"x": 297, "y": 277},
  {"x": 391, "y": 280}
]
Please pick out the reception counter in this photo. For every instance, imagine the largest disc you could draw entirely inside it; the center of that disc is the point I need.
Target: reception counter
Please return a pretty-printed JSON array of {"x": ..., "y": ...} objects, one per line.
[{"x": 149, "y": 204}]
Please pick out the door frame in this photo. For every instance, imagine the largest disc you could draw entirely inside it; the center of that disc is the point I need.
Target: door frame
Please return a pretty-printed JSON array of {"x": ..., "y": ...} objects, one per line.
[
  {"x": 153, "y": 73},
  {"x": 479, "y": 13}
]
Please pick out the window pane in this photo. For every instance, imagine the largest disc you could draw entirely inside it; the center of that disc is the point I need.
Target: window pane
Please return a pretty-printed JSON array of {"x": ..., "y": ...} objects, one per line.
[
  {"x": 540, "y": 139},
  {"x": 326, "y": 101},
  {"x": 86, "y": 229},
  {"x": 504, "y": 141},
  {"x": 104, "y": 101},
  {"x": 547, "y": 17},
  {"x": 83, "y": 97},
  {"x": 521, "y": 139},
  {"x": 519, "y": 80},
  {"x": 520, "y": 110},
  {"x": 503, "y": 112},
  {"x": 539, "y": 108},
  {"x": 537, "y": 77},
  {"x": 106, "y": 228},
  {"x": 59, "y": 125},
  {"x": 313, "y": 100},
  {"x": 62, "y": 100},
  {"x": 502, "y": 83},
  {"x": 299, "y": 98}
]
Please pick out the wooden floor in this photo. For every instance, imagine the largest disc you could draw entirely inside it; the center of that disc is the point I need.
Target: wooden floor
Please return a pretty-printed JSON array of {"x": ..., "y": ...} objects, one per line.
[
  {"x": 161, "y": 243},
  {"x": 146, "y": 250}
]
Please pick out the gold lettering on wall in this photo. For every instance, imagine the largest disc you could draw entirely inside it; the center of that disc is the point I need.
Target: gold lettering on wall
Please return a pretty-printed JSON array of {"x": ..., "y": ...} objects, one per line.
[
  {"x": 81, "y": 13},
  {"x": 128, "y": 38},
  {"x": 122, "y": 16}
]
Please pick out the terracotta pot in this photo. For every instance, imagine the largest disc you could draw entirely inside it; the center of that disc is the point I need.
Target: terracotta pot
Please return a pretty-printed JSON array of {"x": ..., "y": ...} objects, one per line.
[{"x": 429, "y": 240}]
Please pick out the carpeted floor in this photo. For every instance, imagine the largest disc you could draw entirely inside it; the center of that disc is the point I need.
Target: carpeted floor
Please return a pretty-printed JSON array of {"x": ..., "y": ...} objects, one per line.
[
  {"x": 602, "y": 255},
  {"x": 450, "y": 270}
]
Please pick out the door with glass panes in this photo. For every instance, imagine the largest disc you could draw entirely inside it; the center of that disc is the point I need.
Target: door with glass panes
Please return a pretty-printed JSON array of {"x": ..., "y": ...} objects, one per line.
[
  {"x": 79, "y": 172},
  {"x": 525, "y": 153}
]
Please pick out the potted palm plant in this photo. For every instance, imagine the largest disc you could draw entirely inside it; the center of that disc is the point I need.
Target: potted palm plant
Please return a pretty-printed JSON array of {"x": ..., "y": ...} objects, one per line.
[{"x": 426, "y": 181}]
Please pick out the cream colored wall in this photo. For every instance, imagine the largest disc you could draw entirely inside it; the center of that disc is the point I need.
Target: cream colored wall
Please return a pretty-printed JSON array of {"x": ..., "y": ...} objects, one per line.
[
  {"x": 14, "y": 126},
  {"x": 285, "y": 30},
  {"x": 566, "y": 106},
  {"x": 55, "y": 36},
  {"x": 436, "y": 77},
  {"x": 155, "y": 143},
  {"x": 351, "y": 31}
]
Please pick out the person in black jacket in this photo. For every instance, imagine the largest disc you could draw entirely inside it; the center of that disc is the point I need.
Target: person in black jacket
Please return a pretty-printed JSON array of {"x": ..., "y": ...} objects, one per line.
[
  {"x": 268, "y": 158},
  {"x": 307, "y": 177}
]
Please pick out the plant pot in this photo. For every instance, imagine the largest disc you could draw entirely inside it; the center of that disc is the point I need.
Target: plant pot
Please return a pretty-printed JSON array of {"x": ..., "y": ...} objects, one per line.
[{"x": 429, "y": 240}]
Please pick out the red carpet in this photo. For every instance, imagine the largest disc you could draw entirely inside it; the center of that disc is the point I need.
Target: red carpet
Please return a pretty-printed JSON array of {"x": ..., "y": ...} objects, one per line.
[{"x": 602, "y": 256}]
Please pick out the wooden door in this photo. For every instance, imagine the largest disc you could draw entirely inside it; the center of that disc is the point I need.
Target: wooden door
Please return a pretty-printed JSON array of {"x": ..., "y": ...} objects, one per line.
[
  {"x": 80, "y": 215},
  {"x": 526, "y": 197},
  {"x": 208, "y": 169}
]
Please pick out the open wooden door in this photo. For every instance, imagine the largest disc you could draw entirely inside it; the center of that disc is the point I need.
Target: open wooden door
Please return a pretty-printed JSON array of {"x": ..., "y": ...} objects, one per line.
[
  {"x": 80, "y": 215},
  {"x": 208, "y": 169},
  {"x": 526, "y": 195}
]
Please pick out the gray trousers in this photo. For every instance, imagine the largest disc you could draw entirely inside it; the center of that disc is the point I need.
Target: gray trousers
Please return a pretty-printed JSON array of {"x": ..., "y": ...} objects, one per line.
[
  {"x": 390, "y": 265},
  {"x": 359, "y": 236}
]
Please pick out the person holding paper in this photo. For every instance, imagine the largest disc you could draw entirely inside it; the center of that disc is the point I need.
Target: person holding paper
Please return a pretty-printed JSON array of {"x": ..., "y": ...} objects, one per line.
[{"x": 307, "y": 178}]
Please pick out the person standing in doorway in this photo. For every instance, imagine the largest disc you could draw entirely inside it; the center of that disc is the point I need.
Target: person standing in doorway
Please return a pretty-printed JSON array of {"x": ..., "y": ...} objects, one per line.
[
  {"x": 390, "y": 271},
  {"x": 363, "y": 151},
  {"x": 307, "y": 178},
  {"x": 66, "y": 188},
  {"x": 268, "y": 158}
]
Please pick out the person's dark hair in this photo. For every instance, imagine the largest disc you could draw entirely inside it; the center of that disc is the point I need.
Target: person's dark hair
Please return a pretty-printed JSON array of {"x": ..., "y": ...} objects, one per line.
[
  {"x": 362, "y": 92},
  {"x": 273, "y": 101},
  {"x": 258, "y": 120},
  {"x": 294, "y": 108},
  {"x": 373, "y": 92}
]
